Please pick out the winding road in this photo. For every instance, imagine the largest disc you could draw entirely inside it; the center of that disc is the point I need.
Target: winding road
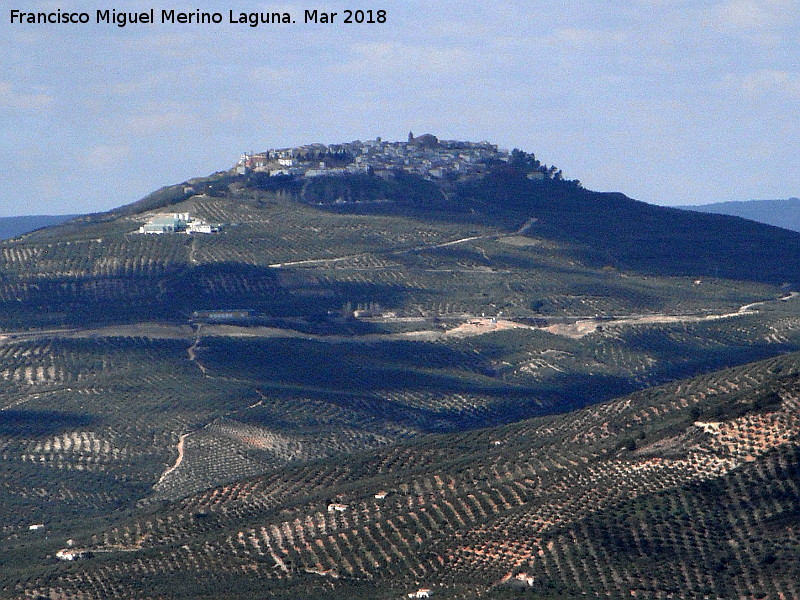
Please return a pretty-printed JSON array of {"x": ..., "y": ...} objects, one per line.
[{"x": 178, "y": 460}]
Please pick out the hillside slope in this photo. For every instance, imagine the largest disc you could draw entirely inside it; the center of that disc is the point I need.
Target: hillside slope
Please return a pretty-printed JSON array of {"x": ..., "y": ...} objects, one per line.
[
  {"x": 687, "y": 489},
  {"x": 617, "y": 231},
  {"x": 381, "y": 325},
  {"x": 576, "y": 252}
]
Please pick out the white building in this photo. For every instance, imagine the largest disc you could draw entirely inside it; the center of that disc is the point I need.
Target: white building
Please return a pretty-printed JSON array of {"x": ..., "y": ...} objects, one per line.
[
  {"x": 165, "y": 223},
  {"x": 200, "y": 226},
  {"x": 65, "y": 554},
  {"x": 176, "y": 223}
]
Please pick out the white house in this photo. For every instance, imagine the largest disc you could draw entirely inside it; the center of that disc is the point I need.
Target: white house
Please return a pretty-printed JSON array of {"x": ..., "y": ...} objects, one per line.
[
  {"x": 200, "y": 226},
  {"x": 65, "y": 554}
]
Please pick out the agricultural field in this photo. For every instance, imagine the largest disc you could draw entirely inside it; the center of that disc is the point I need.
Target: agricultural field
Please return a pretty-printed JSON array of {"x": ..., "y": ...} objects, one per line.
[
  {"x": 700, "y": 474},
  {"x": 288, "y": 259},
  {"x": 501, "y": 389}
]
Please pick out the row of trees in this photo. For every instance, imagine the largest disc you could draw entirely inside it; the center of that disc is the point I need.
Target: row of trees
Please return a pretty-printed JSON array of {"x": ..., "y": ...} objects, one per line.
[{"x": 333, "y": 159}]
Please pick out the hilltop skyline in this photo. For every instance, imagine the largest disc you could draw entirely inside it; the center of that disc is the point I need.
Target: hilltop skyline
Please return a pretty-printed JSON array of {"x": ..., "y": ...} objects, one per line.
[{"x": 669, "y": 103}]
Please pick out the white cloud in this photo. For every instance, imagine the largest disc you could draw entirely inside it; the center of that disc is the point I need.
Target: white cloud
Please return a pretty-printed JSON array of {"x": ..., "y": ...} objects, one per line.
[
  {"x": 396, "y": 57},
  {"x": 142, "y": 83},
  {"x": 166, "y": 44},
  {"x": 751, "y": 15},
  {"x": 270, "y": 75},
  {"x": 160, "y": 119},
  {"x": 105, "y": 156},
  {"x": 229, "y": 111},
  {"x": 768, "y": 81},
  {"x": 586, "y": 39},
  {"x": 12, "y": 99}
]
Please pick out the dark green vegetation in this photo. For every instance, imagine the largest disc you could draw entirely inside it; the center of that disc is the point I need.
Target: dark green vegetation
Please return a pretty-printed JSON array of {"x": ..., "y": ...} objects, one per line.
[
  {"x": 193, "y": 457},
  {"x": 780, "y": 213}
]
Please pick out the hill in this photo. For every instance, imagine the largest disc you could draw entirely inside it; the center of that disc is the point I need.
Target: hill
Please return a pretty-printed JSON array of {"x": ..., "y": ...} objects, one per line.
[
  {"x": 780, "y": 213},
  {"x": 11, "y": 227},
  {"x": 96, "y": 269},
  {"x": 338, "y": 319},
  {"x": 688, "y": 489}
]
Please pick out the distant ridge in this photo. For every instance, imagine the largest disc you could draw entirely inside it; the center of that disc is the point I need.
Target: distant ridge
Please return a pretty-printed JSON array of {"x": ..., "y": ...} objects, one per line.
[
  {"x": 780, "y": 213},
  {"x": 13, "y": 226}
]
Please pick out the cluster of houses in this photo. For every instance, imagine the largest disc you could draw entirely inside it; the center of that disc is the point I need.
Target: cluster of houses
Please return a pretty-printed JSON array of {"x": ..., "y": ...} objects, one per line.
[
  {"x": 423, "y": 155},
  {"x": 177, "y": 223}
]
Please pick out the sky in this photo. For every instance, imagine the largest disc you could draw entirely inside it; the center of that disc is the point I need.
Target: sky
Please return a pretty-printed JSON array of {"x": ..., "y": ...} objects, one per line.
[{"x": 671, "y": 102}]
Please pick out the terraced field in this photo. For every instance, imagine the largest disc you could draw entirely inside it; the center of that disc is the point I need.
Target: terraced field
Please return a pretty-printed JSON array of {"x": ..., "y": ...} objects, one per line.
[
  {"x": 289, "y": 259},
  {"x": 686, "y": 489},
  {"x": 392, "y": 416}
]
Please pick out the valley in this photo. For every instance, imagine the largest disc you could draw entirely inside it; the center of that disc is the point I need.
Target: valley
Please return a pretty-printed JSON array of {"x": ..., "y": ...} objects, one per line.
[{"x": 458, "y": 326}]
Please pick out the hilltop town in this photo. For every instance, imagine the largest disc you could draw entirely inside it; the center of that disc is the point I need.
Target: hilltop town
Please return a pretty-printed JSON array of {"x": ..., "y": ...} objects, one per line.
[{"x": 424, "y": 155}]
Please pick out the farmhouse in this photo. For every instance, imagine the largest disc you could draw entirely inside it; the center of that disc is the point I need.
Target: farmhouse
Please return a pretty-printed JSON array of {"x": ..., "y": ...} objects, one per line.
[
  {"x": 421, "y": 593},
  {"x": 66, "y": 554},
  {"x": 199, "y": 226},
  {"x": 177, "y": 223},
  {"x": 335, "y": 507},
  {"x": 167, "y": 223}
]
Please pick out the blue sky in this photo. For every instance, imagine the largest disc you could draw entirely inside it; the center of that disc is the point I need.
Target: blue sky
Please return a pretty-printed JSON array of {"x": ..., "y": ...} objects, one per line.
[{"x": 668, "y": 101}]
